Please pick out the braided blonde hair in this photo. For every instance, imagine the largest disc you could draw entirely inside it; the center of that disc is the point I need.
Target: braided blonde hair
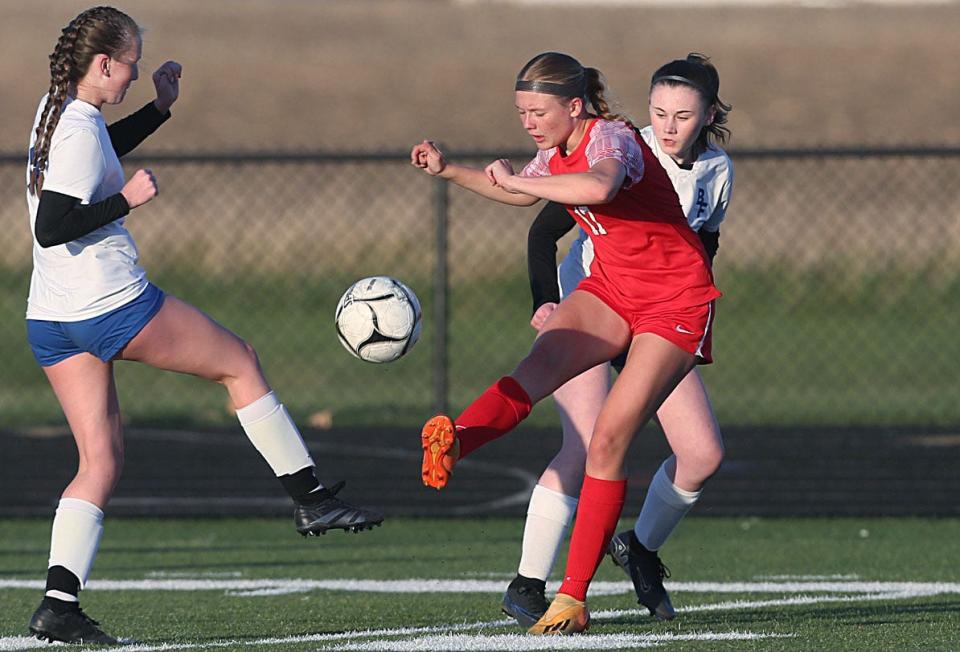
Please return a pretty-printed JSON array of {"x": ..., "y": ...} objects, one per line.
[{"x": 99, "y": 30}]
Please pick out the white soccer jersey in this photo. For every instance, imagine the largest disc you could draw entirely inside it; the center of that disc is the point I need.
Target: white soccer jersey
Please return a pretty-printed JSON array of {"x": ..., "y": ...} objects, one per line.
[
  {"x": 98, "y": 272},
  {"x": 704, "y": 192}
]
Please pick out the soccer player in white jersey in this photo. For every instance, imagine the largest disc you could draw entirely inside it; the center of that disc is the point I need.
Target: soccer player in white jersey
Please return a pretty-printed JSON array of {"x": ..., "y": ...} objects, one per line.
[
  {"x": 90, "y": 303},
  {"x": 687, "y": 118}
]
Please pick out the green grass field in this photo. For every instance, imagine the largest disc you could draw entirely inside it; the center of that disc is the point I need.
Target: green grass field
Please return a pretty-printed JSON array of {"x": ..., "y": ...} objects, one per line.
[
  {"x": 791, "y": 348},
  {"x": 739, "y": 584}
]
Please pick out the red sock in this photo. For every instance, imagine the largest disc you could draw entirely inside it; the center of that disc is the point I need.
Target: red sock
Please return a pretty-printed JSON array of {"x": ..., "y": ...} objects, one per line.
[
  {"x": 597, "y": 513},
  {"x": 497, "y": 411}
]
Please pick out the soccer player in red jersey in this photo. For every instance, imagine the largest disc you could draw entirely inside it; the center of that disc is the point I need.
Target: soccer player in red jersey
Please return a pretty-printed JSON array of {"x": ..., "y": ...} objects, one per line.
[
  {"x": 686, "y": 129},
  {"x": 650, "y": 292}
]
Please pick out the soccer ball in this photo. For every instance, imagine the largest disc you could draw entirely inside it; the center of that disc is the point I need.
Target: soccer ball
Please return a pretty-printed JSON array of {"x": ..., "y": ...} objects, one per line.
[{"x": 378, "y": 319}]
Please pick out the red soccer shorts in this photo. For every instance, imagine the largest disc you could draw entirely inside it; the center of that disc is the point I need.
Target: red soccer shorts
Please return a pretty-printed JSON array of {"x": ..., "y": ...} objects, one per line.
[{"x": 687, "y": 327}]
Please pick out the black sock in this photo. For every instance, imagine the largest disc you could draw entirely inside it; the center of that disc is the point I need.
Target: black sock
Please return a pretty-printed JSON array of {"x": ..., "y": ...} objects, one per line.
[
  {"x": 61, "y": 579},
  {"x": 301, "y": 483},
  {"x": 532, "y": 582},
  {"x": 635, "y": 544}
]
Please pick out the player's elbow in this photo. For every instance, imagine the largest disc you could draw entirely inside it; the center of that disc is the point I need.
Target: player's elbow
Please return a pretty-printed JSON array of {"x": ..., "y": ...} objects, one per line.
[
  {"x": 608, "y": 196},
  {"x": 523, "y": 200},
  {"x": 601, "y": 191},
  {"x": 599, "y": 196},
  {"x": 46, "y": 239}
]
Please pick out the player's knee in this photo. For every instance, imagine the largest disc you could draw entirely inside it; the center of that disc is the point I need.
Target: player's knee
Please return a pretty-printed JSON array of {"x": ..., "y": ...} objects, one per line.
[
  {"x": 703, "y": 462},
  {"x": 606, "y": 450},
  {"x": 713, "y": 458},
  {"x": 574, "y": 446},
  {"x": 250, "y": 353},
  {"x": 248, "y": 361},
  {"x": 107, "y": 465},
  {"x": 569, "y": 464}
]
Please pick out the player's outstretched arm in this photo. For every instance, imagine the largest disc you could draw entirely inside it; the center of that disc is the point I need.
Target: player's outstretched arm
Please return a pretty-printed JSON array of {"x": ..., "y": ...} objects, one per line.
[
  {"x": 428, "y": 157},
  {"x": 599, "y": 185}
]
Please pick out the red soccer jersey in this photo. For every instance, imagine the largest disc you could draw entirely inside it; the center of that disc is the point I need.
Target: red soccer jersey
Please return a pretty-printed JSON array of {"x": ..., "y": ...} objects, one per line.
[{"x": 645, "y": 251}]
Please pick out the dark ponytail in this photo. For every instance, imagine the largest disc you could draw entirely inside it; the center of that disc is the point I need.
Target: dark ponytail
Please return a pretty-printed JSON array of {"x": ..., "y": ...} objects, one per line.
[{"x": 100, "y": 30}]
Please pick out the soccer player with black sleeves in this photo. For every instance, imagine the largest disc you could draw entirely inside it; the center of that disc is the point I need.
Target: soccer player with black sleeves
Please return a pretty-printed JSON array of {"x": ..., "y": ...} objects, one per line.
[
  {"x": 90, "y": 303},
  {"x": 686, "y": 123}
]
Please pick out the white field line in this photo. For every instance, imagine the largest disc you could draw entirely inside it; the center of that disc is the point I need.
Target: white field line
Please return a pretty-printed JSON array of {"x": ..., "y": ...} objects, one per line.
[
  {"x": 521, "y": 643},
  {"x": 422, "y": 585},
  {"x": 852, "y": 576},
  {"x": 472, "y": 642},
  {"x": 27, "y": 642},
  {"x": 433, "y": 642},
  {"x": 18, "y": 643},
  {"x": 738, "y": 605}
]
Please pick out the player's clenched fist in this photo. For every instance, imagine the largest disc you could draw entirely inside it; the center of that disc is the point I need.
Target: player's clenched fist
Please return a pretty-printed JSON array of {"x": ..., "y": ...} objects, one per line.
[
  {"x": 499, "y": 173},
  {"x": 166, "y": 79},
  {"x": 428, "y": 157},
  {"x": 141, "y": 188},
  {"x": 540, "y": 316}
]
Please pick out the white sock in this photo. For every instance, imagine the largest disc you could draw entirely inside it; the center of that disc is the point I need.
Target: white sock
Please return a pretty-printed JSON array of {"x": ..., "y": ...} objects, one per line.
[
  {"x": 77, "y": 528},
  {"x": 269, "y": 426},
  {"x": 663, "y": 509},
  {"x": 548, "y": 516}
]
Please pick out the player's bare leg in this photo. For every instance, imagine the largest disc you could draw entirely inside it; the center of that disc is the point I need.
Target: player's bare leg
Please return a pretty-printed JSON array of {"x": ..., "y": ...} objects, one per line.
[
  {"x": 654, "y": 367},
  {"x": 182, "y": 338},
  {"x": 554, "y": 499},
  {"x": 580, "y": 334},
  {"x": 84, "y": 385},
  {"x": 85, "y": 388},
  {"x": 691, "y": 429}
]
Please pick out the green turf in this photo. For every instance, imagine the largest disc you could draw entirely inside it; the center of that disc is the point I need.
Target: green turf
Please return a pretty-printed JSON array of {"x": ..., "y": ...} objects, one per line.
[
  {"x": 811, "y": 347},
  {"x": 719, "y": 550}
]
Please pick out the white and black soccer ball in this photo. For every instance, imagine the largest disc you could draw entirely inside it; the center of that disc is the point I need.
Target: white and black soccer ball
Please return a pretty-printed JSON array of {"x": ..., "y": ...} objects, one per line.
[{"x": 378, "y": 319}]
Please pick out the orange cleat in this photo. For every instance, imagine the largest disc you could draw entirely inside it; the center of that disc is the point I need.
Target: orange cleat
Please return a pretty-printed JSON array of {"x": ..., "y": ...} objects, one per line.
[
  {"x": 441, "y": 450},
  {"x": 566, "y": 615}
]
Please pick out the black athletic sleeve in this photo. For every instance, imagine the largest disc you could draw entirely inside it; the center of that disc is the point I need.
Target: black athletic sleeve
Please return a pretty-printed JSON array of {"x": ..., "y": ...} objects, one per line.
[
  {"x": 62, "y": 218},
  {"x": 551, "y": 224},
  {"x": 711, "y": 242},
  {"x": 126, "y": 134}
]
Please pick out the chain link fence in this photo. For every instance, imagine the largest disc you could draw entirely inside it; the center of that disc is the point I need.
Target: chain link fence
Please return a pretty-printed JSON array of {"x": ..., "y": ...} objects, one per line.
[{"x": 840, "y": 272}]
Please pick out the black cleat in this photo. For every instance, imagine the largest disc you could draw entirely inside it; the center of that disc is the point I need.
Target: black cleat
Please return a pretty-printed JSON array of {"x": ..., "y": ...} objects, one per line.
[
  {"x": 524, "y": 600},
  {"x": 646, "y": 571},
  {"x": 323, "y": 511},
  {"x": 68, "y": 626}
]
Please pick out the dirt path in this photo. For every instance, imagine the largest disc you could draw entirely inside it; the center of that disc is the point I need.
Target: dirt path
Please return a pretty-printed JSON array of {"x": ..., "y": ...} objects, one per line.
[{"x": 380, "y": 75}]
